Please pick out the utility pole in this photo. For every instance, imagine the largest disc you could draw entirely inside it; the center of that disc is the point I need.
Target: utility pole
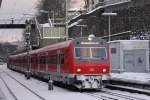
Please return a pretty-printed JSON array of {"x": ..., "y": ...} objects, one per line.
[
  {"x": 67, "y": 35},
  {"x": 28, "y": 47},
  {"x": 109, "y": 22}
]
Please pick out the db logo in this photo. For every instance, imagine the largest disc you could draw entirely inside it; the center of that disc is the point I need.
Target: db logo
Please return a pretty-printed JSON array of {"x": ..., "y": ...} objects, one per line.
[{"x": 91, "y": 69}]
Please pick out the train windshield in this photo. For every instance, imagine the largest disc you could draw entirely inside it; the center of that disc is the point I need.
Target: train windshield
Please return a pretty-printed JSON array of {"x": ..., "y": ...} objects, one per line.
[{"x": 90, "y": 54}]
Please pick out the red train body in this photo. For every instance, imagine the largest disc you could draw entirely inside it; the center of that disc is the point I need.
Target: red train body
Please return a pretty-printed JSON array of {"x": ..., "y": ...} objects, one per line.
[{"x": 83, "y": 62}]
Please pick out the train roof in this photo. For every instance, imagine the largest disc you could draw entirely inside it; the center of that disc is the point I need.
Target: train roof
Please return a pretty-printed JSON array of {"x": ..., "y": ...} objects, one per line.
[
  {"x": 53, "y": 47},
  {"x": 17, "y": 55},
  {"x": 49, "y": 47}
]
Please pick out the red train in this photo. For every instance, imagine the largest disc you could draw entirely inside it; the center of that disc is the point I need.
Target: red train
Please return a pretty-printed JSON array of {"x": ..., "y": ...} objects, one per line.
[{"x": 82, "y": 62}]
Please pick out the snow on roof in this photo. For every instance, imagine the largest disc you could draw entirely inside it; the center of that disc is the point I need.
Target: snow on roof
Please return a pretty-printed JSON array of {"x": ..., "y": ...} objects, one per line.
[
  {"x": 108, "y": 6},
  {"x": 53, "y": 46},
  {"x": 128, "y": 41},
  {"x": 45, "y": 25},
  {"x": 75, "y": 23},
  {"x": 100, "y": 7}
]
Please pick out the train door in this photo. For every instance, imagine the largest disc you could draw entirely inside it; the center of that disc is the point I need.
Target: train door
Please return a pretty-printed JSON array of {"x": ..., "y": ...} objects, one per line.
[
  {"x": 34, "y": 63},
  {"x": 140, "y": 60},
  {"x": 58, "y": 61},
  {"x": 46, "y": 62},
  {"x": 38, "y": 61},
  {"x": 42, "y": 62},
  {"x": 128, "y": 61}
]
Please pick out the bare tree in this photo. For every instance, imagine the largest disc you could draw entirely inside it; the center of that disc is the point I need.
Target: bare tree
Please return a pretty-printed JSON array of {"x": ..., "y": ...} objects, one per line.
[{"x": 56, "y": 8}]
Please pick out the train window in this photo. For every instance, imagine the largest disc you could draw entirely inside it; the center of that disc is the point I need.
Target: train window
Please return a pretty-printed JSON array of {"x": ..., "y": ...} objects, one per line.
[
  {"x": 33, "y": 60},
  {"x": 113, "y": 50},
  {"x": 52, "y": 59},
  {"x": 62, "y": 58},
  {"x": 42, "y": 60}
]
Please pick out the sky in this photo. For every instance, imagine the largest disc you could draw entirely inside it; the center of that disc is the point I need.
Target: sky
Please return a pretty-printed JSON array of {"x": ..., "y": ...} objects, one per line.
[
  {"x": 15, "y": 9},
  {"x": 77, "y": 4}
]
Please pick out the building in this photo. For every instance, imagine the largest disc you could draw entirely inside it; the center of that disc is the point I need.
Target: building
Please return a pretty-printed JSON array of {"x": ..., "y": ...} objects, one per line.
[
  {"x": 129, "y": 56},
  {"x": 0, "y": 2}
]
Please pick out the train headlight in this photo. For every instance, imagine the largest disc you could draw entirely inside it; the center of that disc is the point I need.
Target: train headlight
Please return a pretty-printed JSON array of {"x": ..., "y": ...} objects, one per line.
[
  {"x": 78, "y": 70},
  {"x": 91, "y": 36},
  {"x": 104, "y": 70}
]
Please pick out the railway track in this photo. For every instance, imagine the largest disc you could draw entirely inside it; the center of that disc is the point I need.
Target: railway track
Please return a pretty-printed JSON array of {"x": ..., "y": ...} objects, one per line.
[
  {"x": 129, "y": 89},
  {"x": 108, "y": 95},
  {"x": 21, "y": 84},
  {"x": 10, "y": 91},
  {"x": 101, "y": 97},
  {"x": 139, "y": 85},
  {"x": 127, "y": 97}
]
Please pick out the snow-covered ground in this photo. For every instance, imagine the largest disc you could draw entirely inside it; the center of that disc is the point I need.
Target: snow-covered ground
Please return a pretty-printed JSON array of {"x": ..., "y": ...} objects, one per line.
[
  {"x": 132, "y": 77},
  {"x": 41, "y": 88}
]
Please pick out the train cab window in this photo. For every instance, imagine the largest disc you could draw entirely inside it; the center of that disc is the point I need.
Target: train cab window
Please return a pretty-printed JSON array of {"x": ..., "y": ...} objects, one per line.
[
  {"x": 99, "y": 53},
  {"x": 82, "y": 52},
  {"x": 90, "y": 54}
]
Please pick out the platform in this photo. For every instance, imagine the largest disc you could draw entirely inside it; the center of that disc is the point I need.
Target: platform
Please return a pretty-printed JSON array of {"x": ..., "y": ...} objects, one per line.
[{"x": 138, "y": 78}]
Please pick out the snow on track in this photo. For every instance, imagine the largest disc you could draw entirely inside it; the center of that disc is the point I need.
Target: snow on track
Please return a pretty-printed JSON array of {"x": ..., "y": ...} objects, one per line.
[
  {"x": 42, "y": 89},
  {"x": 18, "y": 90}
]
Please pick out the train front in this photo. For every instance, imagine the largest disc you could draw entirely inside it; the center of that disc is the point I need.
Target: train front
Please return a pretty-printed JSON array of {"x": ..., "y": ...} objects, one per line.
[{"x": 91, "y": 63}]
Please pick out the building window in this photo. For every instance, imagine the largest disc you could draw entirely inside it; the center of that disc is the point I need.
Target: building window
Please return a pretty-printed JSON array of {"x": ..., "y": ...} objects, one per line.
[{"x": 113, "y": 50}]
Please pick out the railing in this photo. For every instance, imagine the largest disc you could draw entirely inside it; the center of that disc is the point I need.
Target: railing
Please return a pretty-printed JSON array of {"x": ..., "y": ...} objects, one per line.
[
  {"x": 12, "y": 21},
  {"x": 38, "y": 27},
  {"x": 107, "y": 2}
]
